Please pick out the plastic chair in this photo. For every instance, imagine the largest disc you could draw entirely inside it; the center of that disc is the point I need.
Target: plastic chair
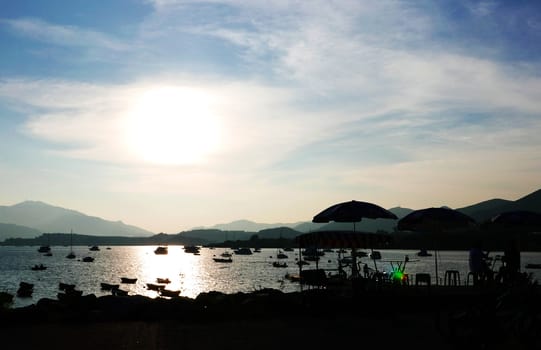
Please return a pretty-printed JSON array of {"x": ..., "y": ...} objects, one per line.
[
  {"x": 422, "y": 278},
  {"x": 452, "y": 278}
]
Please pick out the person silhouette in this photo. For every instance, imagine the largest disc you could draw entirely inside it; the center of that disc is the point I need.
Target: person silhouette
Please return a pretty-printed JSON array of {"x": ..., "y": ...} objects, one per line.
[
  {"x": 477, "y": 263},
  {"x": 511, "y": 261}
]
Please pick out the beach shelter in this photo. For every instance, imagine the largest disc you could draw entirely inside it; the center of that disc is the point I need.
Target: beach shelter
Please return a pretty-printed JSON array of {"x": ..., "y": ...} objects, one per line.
[
  {"x": 518, "y": 219},
  {"x": 517, "y": 223},
  {"x": 341, "y": 239},
  {"x": 435, "y": 220},
  {"x": 353, "y": 211}
]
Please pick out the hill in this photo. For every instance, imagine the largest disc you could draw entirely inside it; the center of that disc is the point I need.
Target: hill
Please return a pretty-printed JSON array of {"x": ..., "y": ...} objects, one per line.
[
  {"x": 13, "y": 231},
  {"x": 215, "y": 235},
  {"x": 250, "y": 226},
  {"x": 47, "y": 218},
  {"x": 486, "y": 210}
]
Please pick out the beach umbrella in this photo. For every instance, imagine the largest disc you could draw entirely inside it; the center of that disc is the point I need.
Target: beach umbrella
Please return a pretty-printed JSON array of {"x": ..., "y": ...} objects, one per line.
[
  {"x": 435, "y": 220},
  {"x": 353, "y": 211},
  {"x": 518, "y": 219},
  {"x": 517, "y": 223}
]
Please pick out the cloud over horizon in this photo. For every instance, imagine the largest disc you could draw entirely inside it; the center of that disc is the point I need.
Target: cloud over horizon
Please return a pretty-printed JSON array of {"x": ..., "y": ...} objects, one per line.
[{"x": 316, "y": 101}]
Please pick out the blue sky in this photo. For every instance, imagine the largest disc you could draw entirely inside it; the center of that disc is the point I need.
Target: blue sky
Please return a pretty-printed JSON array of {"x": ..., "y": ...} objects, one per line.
[{"x": 170, "y": 114}]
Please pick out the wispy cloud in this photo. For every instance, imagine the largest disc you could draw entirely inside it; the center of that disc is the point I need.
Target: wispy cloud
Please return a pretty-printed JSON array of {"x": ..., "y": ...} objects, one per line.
[
  {"x": 63, "y": 35},
  {"x": 321, "y": 100}
]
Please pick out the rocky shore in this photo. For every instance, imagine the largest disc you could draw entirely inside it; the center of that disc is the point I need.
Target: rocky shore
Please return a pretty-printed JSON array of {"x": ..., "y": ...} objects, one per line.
[{"x": 268, "y": 318}]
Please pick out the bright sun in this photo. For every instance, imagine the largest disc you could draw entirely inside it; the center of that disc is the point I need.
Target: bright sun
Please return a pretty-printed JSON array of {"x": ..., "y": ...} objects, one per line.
[{"x": 172, "y": 125}]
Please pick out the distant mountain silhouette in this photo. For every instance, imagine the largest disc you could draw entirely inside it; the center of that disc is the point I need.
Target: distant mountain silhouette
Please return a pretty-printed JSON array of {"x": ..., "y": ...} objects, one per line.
[
  {"x": 250, "y": 226},
  {"x": 17, "y": 231},
  {"x": 216, "y": 235},
  {"x": 47, "y": 218},
  {"x": 367, "y": 225},
  {"x": 278, "y": 232},
  {"x": 486, "y": 210}
]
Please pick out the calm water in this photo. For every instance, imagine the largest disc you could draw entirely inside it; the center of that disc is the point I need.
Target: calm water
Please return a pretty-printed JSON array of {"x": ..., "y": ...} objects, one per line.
[{"x": 192, "y": 274}]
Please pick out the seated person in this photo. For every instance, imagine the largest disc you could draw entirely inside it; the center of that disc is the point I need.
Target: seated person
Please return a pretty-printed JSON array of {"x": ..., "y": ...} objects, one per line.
[{"x": 478, "y": 264}]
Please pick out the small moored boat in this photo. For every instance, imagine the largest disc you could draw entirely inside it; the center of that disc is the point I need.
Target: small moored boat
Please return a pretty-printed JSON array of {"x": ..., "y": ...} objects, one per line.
[
  {"x": 66, "y": 286},
  {"x": 127, "y": 280},
  {"x": 108, "y": 286},
  {"x": 279, "y": 264},
  {"x": 39, "y": 267},
  {"x": 156, "y": 287},
  {"x": 191, "y": 249},
  {"x": 533, "y": 266},
  {"x": 119, "y": 292},
  {"x": 169, "y": 293},
  {"x": 44, "y": 249},
  {"x": 423, "y": 252},
  {"x": 161, "y": 251}
]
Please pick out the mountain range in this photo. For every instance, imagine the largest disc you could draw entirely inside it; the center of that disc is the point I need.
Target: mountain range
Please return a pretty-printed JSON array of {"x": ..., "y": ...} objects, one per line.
[{"x": 30, "y": 218}]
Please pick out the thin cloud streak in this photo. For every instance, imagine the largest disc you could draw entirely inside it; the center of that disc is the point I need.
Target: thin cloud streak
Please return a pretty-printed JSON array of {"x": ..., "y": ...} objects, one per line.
[{"x": 64, "y": 35}]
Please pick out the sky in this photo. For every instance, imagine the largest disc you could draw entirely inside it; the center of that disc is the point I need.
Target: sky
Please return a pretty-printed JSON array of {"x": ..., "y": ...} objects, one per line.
[{"x": 172, "y": 114}]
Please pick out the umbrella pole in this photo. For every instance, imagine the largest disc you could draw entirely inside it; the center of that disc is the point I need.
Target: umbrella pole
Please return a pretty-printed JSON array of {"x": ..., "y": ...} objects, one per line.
[
  {"x": 436, "y": 265},
  {"x": 373, "y": 259}
]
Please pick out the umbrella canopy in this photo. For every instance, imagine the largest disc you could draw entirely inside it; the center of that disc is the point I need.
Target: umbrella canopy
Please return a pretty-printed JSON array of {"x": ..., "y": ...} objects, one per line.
[
  {"x": 342, "y": 239},
  {"x": 518, "y": 218},
  {"x": 435, "y": 219},
  {"x": 353, "y": 211}
]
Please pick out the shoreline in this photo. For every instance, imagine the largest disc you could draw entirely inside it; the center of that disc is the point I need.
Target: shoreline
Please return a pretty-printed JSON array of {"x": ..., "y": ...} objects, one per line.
[{"x": 442, "y": 318}]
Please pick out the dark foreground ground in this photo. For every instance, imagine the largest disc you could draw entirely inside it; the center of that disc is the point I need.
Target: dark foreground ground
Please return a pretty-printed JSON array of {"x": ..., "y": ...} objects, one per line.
[{"x": 269, "y": 319}]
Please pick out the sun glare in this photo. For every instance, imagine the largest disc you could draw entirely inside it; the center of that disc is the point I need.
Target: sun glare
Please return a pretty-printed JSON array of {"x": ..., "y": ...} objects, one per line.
[{"x": 171, "y": 125}]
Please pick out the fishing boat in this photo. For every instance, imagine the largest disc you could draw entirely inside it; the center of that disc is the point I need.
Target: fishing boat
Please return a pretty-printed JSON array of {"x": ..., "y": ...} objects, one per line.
[
  {"x": 88, "y": 259},
  {"x": 69, "y": 294},
  {"x": 71, "y": 254},
  {"x": 156, "y": 287},
  {"x": 423, "y": 252},
  {"x": 243, "y": 251},
  {"x": 279, "y": 264},
  {"x": 44, "y": 249},
  {"x": 193, "y": 249},
  {"x": 163, "y": 280},
  {"x": 281, "y": 255},
  {"x": 66, "y": 286},
  {"x": 108, "y": 286},
  {"x": 223, "y": 260},
  {"x": 169, "y": 293},
  {"x": 39, "y": 267},
  {"x": 161, "y": 251},
  {"x": 119, "y": 292},
  {"x": 127, "y": 280},
  {"x": 94, "y": 248},
  {"x": 292, "y": 277}
]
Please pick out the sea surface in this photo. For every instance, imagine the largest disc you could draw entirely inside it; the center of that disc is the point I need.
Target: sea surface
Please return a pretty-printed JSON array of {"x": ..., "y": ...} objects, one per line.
[{"x": 194, "y": 274}]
